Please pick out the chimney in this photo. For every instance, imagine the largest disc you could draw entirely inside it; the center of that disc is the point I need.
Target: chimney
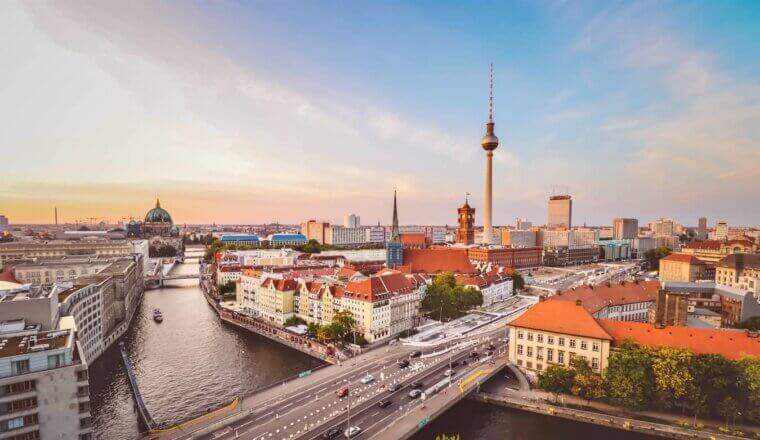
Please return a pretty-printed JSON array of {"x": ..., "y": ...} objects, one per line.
[{"x": 577, "y": 302}]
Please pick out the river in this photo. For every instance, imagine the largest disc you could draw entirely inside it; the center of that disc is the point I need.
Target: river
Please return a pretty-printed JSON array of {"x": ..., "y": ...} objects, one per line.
[{"x": 191, "y": 361}]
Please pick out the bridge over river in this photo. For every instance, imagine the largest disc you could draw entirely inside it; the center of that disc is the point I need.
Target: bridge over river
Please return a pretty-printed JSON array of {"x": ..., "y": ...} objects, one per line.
[{"x": 307, "y": 406}]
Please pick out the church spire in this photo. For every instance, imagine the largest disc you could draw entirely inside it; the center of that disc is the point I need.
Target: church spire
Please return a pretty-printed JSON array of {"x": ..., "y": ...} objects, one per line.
[
  {"x": 394, "y": 229},
  {"x": 158, "y": 203}
]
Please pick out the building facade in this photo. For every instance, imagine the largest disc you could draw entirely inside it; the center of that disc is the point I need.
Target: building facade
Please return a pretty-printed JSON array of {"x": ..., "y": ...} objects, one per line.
[
  {"x": 351, "y": 221},
  {"x": 507, "y": 256},
  {"x": 518, "y": 238},
  {"x": 57, "y": 270},
  {"x": 721, "y": 231},
  {"x": 625, "y": 228},
  {"x": 314, "y": 230},
  {"x": 684, "y": 268},
  {"x": 560, "y": 212}
]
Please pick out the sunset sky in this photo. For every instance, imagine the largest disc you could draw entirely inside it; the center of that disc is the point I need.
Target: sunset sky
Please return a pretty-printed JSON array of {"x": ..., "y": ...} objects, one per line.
[{"x": 251, "y": 112}]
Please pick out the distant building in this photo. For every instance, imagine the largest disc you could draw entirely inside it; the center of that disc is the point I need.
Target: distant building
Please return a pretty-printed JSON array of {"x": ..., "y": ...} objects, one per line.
[
  {"x": 556, "y": 237},
  {"x": 345, "y": 236},
  {"x": 314, "y": 230},
  {"x": 241, "y": 239},
  {"x": 522, "y": 224},
  {"x": 436, "y": 260},
  {"x": 351, "y": 221},
  {"x": 374, "y": 234},
  {"x": 585, "y": 236},
  {"x": 684, "y": 268},
  {"x": 713, "y": 251},
  {"x": 570, "y": 255},
  {"x": 518, "y": 238},
  {"x": 493, "y": 285},
  {"x": 3, "y": 223},
  {"x": 286, "y": 240},
  {"x": 20, "y": 250},
  {"x": 702, "y": 228},
  {"x": 624, "y": 301},
  {"x": 393, "y": 247},
  {"x": 415, "y": 240},
  {"x": 560, "y": 212},
  {"x": 466, "y": 229},
  {"x": 721, "y": 231},
  {"x": 663, "y": 228},
  {"x": 48, "y": 271},
  {"x": 158, "y": 223},
  {"x": 671, "y": 308},
  {"x": 739, "y": 270},
  {"x": 625, "y": 228},
  {"x": 506, "y": 256}
]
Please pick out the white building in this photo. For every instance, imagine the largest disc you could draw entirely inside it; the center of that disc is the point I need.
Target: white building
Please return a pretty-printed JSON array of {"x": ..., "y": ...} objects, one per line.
[
  {"x": 45, "y": 386},
  {"x": 59, "y": 269},
  {"x": 557, "y": 238},
  {"x": 585, "y": 236},
  {"x": 522, "y": 224},
  {"x": 351, "y": 221},
  {"x": 494, "y": 286},
  {"x": 342, "y": 236},
  {"x": 374, "y": 234},
  {"x": 721, "y": 231},
  {"x": 3, "y": 223}
]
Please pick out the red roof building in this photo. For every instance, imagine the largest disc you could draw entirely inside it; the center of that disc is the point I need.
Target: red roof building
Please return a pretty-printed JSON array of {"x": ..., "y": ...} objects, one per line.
[
  {"x": 625, "y": 301},
  {"x": 415, "y": 240},
  {"x": 437, "y": 260}
]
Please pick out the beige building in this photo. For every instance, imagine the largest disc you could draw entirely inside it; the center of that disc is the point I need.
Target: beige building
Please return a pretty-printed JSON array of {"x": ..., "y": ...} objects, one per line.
[
  {"x": 683, "y": 267},
  {"x": 538, "y": 338},
  {"x": 57, "y": 270},
  {"x": 625, "y": 228},
  {"x": 25, "y": 250},
  {"x": 560, "y": 212},
  {"x": 274, "y": 300},
  {"x": 518, "y": 238},
  {"x": 44, "y": 386},
  {"x": 739, "y": 270},
  {"x": 712, "y": 251},
  {"x": 721, "y": 231},
  {"x": 314, "y": 230}
]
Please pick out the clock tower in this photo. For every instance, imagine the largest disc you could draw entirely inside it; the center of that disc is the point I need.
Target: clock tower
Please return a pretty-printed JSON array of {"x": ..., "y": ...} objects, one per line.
[{"x": 466, "y": 230}]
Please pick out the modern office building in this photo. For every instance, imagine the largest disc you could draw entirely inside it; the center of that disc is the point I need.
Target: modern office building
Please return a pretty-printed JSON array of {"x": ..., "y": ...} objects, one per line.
[
  {"x": 585, "y": 236},
  {"x": 625, "y": 228},
  {"x": 663, "y": 228},
  {"x": 522, "y": 224},
  {"x": 351, "y": 221},
  {"x": 344, "y": 236},
  {"x": 560, "y": 212},
  {"x": 26, "y": 250},
  {"x": 241, "y": 239},
  {"x": 3, "y": 223},
  {"x": 47, "y": 271},
  {"x": 374, "y": 234},
  {"x": 702, "y": 228},
  {"x": 570, "y": 255},
  {"x": 518, "y": 238}
]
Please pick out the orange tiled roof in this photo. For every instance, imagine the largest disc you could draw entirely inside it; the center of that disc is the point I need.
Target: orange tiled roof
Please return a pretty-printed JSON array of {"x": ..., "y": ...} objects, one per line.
[
  {"x": 562, "y": 317},
  {"x": 369, "y": 289},
  {"x": 281, "y": 285},
  {"x": 683, "y": 258},
  {"x": 438, "y": 260},
  {"x": 414, "y": 239},
  {"x": 597, "y": 297},
  {"x": 727, "y": 343}
]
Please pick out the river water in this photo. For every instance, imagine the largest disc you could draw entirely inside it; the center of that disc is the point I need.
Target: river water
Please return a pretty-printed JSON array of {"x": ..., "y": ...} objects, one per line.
[{"x": 192, "y": 361}]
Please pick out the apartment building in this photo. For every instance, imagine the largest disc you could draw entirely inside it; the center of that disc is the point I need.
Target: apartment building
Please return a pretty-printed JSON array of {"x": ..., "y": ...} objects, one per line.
[
  {"x": 495, "y": 286},
  {"x": 684, "y": 268},
  {"x": 712, "y": 251},
  {"x": 623, "y": 301},
  {"x": 337, "y": 235},
  {"x": 47, "y": 271},
  {"x": 739, "y": 270},
  {"x": 44, "y": 386},
  {"x": 274, "y": 300},
  {"x": 26, "y": 250}
]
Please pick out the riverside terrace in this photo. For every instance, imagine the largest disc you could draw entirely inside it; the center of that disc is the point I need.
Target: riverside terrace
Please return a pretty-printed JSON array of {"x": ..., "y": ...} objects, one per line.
[{"x": 307, "y": 406}]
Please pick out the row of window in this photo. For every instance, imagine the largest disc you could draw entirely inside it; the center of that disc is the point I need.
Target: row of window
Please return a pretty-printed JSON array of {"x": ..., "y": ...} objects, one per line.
[
  {"x": 560, "y": 340},
  {"x": 550, "y": 357}
]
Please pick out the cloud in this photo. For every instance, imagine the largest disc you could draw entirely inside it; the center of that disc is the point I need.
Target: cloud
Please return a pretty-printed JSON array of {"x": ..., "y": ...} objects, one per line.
[{"x": 620, "y": 124}]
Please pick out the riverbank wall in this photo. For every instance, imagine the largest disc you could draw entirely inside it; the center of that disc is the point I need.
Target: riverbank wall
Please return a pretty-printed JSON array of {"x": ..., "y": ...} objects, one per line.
[{"x": 609, "y": 421}]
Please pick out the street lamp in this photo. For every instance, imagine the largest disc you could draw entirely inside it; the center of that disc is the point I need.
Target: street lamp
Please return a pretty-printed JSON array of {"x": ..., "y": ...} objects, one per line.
[{"x": 348, "y": 422}]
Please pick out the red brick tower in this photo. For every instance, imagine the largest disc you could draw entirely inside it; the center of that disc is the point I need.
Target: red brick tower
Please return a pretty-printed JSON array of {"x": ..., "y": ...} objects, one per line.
[{"x": 466, "y": 230}]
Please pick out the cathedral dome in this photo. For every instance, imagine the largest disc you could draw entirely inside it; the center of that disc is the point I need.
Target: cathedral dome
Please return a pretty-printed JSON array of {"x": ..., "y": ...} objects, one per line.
[{"x": 158, "y": 215}]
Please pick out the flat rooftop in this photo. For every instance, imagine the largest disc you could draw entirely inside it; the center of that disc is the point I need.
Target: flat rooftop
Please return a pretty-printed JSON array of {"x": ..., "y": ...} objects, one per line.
[{"x": 16, "y": 345}]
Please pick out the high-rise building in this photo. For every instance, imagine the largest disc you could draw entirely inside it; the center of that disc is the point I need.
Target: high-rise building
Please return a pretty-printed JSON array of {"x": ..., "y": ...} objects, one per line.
[
  {"x": 625, "y": 228},
  {"x": 3, "y": 223},
  {"x": 702, "y": 228},
  {"x": 663, "y": 228},
  {"x": 394, "y": 249},
  {"x": 466, "y": 230},
  {"x": 351, "y": 221},
  {"x": 522, "y": 224},
  {"x": 314, "y": 230},
  {"x": 560, "y": 212},
  {"x": 489, "y": 143},
  {"x": 721, "y": 231}
]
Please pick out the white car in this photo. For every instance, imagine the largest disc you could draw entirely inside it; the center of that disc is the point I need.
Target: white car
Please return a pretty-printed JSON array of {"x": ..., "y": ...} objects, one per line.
[
  {"x": 448, "y": 373},
  {"x": 352, "y": 431},
  {"x": 367, "y": 379}
]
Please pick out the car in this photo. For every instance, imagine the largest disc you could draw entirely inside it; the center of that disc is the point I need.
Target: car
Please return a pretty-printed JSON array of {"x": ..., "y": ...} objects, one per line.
[
  {"x": 474, "y": 354},
  {"x": 415, "y": 393},
  {"x": 489, "y": 353},
  {"x": 343, "y": 392},
  {"x": 352, "y": 431},
  {"x": 332, "y": 433},
  {"x": 367, "y": 379},
  {"x": 491, "y": 347},
  {"x": 455, "y": 364},
  {"x": 403, "y": 363},
  {"x": 448, "y": 373},
  {"x": 415, "y": 354},
  {"x": 383, "y": 403},
  {"x": 393, "y": 387},
  {"x": 416, "y": 385}
]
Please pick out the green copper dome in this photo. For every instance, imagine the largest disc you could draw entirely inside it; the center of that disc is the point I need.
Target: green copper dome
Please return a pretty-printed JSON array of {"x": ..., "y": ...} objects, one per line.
[{"x": 158, "y": 215}]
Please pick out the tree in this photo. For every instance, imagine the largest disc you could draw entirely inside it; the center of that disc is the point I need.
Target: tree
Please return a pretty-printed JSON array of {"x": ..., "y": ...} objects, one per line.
[
  {"x": 323, "y": 333},
  {"x": 672, "y": 377},
  {"x": 653, "y": 256},
  {"x": 293, "y": 321},
  {"x": 752, "y": 323},
  {"x": 586, "y": 383},
  {"x": 750, "y": 372},
  {"x": 228, "y": 287},
  {"x": 518, "y": 281},
  {"x": 446, "y": 300},
  {"x": 713, "y": 377},
  {"x": 344, "y": 323},
  {"x": 312, "y": 328},
  {"x": 556, "y": 380},
  {"x": 629, "y": 377},
  {"x": 728, "y": 408}
]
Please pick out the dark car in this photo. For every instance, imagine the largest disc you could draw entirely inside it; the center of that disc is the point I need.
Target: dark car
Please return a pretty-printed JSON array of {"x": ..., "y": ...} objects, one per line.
[
  {"x": 334, "y": 432},
  {"x": 415, "y": 354},
  {"x": 403, "y": 363},
  {"x": 416, "y": 385},
  {"x": 491, "y": 347},
  {"x": 489, "y": 353},
  {"x": 392, "y": 388},
  {"x": 474, "y": 354},
  {"x": 383, "y": 403},
  {"x": 454, "y": 364}
]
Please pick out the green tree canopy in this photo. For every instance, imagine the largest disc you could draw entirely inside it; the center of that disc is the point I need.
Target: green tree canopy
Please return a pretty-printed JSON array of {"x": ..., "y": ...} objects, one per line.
[
  {"x": 446, "y": 299},
  {"x": 556, "y": 379},
  {"x": 629, "y": 378},
  {"x": 653, "y": 256},
  {"x": 672, "y": 376}
]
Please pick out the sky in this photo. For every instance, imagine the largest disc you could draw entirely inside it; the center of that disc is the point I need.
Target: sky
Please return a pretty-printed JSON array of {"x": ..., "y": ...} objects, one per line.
[{"x": 253, "y": 112}]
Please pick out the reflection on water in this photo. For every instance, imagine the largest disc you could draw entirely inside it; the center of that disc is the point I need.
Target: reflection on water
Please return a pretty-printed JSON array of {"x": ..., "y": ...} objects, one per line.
[{"x": 187, "y": 363}]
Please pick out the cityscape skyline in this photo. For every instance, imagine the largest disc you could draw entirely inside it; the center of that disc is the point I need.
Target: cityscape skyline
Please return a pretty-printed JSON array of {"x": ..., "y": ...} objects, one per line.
[{"x": 620, "y": 106}]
